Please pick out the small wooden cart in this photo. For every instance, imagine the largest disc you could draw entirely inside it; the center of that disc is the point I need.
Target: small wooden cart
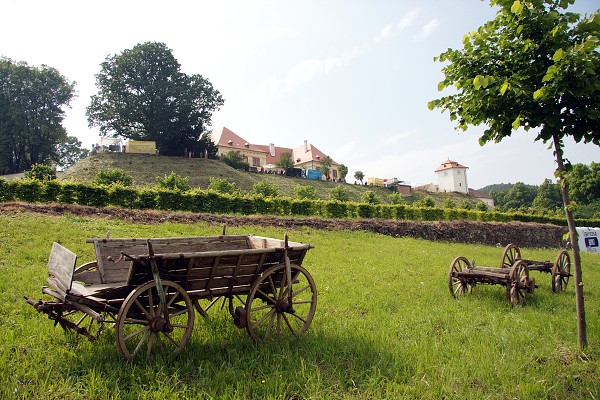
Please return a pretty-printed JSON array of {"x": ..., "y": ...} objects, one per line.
[
  {"x": 148, "y": 288},
  {"x": 513, "y": 273}
]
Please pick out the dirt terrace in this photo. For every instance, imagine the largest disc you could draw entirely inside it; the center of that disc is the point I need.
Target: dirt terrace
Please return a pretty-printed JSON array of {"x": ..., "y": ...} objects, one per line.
[{"x": 490, "y": 233}]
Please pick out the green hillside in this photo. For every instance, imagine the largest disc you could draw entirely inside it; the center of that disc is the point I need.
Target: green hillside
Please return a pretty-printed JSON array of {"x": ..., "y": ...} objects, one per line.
[{"x": 145, "y": 168}]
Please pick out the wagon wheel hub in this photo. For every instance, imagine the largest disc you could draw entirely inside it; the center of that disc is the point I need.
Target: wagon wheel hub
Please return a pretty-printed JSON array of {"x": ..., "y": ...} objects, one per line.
[
  {"x": 159, "y": 324},
  {"x": 283, "y": 306}
]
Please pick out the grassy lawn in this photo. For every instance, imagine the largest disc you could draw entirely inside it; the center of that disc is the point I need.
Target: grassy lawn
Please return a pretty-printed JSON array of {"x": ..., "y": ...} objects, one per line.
[{"x": 386, "y": 327}]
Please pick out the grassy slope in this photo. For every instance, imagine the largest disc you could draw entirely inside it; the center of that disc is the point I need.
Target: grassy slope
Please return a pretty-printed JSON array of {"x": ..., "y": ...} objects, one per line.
[
  {"x": 386, "y": 327},
  {"x": 145, "y": 168}
]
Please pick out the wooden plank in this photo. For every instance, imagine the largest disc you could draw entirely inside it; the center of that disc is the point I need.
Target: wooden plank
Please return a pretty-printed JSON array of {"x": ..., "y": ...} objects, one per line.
[{"x": 61, "y": 266}]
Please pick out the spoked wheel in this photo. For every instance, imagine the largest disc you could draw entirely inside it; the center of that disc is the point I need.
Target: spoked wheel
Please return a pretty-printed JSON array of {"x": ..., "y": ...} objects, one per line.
[
  {"x": 510, "y": 255},
  {"x": 458, "y": 285},
  {"x": 518, "y": 284},
  {"x": 277, "y": 306},
  {"x": 144, "y": 323},
  {"x": 561, "y": 271}
]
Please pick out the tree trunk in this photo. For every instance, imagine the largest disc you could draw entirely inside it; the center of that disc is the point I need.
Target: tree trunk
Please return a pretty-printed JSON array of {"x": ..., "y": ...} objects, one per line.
[{"x": 581, "y": 326}]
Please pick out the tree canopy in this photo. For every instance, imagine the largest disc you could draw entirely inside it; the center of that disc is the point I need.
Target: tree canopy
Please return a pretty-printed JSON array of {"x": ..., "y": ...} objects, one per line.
[
  {"x": 32, "y": 101},
  {"x": 533, "y": 66},
  {"x": 285, "y": 161},
  {"x": 143, "y": 95}
]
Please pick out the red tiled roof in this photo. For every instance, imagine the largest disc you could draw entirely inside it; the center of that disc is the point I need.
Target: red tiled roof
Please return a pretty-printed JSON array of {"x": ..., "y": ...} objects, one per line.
[
  {"x": 226, "y": 138},
  {"x": 278, "y": 152},
  {"x": 449, "y": 164},
  {"x": 477, "y": 194}
]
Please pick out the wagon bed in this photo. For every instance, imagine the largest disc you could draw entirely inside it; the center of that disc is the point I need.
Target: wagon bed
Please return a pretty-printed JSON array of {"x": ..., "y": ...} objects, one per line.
[{"x": 148, "y": 288}]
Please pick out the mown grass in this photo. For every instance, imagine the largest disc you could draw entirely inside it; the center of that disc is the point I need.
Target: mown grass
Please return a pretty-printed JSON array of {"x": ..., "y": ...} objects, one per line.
[{"x": 386, "y": 327}]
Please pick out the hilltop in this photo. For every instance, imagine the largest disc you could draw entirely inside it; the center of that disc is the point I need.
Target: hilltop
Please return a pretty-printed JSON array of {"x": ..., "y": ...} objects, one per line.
[{"x": 144, "y": 169}]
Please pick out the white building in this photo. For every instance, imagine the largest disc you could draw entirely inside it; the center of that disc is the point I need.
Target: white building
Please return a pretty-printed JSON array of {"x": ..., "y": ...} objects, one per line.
[{"x": 452, "y": 177}]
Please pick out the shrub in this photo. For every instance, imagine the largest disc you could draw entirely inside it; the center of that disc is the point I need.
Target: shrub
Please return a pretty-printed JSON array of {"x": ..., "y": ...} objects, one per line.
[
  {"x": 449, "y": 203},
  {"x": 481, "y": 206},
  {"x": 174, "y": 182},
  {"x": 265, "y": 189},
  {"x": 7, "y": 190},
  {"x": 52, "y": 191},
  {"x": 466, "y": 205},
  {"x": 29, "y": 190},
  {"x": 396, "y": 198},
  {"x": 122, "y": 196},
  {"x": 305, "y": 192},
  {"x": 235, "y": 160},
  {"x": 336, "y": 209},
  {"x": 222, "y": 186},
  {"x": 339, "y": 193},
  {"x": 41, "y": 172},
  {"x": 370, "y": 197},
  {"x": 302, "y": 207},
  {"x": 91, "y": 195},
  {"x": 111, "y": 176}
]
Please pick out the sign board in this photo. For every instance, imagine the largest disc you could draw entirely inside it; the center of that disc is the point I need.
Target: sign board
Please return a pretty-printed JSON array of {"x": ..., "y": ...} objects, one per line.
[{"x": 589, "y": 239}]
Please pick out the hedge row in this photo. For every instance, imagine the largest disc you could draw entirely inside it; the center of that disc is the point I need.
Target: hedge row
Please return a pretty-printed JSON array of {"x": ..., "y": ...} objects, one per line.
[{"x": 206, "y": 201}]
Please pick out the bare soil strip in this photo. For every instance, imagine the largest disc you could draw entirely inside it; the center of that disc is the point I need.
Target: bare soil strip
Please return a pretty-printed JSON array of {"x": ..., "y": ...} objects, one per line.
[{"x": 489, "y": 233}]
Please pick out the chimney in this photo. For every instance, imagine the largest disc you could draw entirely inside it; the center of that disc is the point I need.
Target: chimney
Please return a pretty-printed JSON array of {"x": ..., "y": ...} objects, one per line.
[
  {"x": 306, "y": 146},
  {"x": 272, "y": 149}
]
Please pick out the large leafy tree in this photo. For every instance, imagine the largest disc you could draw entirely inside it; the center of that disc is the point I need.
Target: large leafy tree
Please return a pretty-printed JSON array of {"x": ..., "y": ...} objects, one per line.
[
  {"x": 584, "y": 183},
  {"x": 31, "y": 115},
  {"x": 143, "y": 95},
  {"x": 534, "y": 66},
  {"x": 285, "y": 161}
]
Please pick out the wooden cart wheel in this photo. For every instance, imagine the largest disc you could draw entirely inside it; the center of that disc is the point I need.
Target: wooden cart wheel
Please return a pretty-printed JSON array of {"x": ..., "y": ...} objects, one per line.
[
  {"x": 518, "y": 283},
  {"x": 457, "y": 285},
  {"x": 277, "y": 306},
  {"x": 142, "y": 324},
  {"x": 561, "y": 271},
  {"x": 510, "y": 254}
]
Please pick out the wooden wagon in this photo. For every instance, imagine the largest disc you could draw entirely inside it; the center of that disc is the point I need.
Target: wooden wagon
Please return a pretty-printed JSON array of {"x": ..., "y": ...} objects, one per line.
[
  {"x": 148, "y": 288},
  {"x": 513, "y": 273}
]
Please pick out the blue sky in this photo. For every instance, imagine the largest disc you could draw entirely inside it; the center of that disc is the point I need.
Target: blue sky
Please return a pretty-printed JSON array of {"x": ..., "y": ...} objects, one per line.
[{"x": 351, "y": 77}]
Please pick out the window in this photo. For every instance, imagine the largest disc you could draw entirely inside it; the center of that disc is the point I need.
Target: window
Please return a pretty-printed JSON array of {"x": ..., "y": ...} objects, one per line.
[
  {"x": 255, "y": 162},
  {"x": 334, "y": 174},
  {"x": 245, "y": 159}
]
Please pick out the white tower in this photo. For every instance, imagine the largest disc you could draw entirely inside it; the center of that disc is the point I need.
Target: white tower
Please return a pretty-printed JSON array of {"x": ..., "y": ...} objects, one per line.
[{"x": 452, "y": 177}]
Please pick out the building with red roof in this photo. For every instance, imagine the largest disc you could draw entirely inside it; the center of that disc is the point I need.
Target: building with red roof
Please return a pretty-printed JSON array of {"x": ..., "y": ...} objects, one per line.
[{"x": 265, "y": 157}]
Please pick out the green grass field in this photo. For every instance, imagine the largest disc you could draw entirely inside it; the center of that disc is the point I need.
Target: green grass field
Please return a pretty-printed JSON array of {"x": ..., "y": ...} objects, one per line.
[{"x": 386, "y": 327}]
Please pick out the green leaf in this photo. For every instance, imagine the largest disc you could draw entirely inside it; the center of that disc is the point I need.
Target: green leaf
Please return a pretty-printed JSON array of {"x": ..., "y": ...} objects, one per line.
[
  {"x": 558, "y": 55},
  {"x": 516, "y": 123},
  {"x": 517, "y": 7},
  {"x": 538, "y": 93},
  {"x": 479, "y": 81},
  {"x": 504, "y": 88},
  {"x": 519, "y": 29},
  {"x": 441, "y": 86},
  {"x": 550, "y": 73},
  {"x": 431, "y": 105}
]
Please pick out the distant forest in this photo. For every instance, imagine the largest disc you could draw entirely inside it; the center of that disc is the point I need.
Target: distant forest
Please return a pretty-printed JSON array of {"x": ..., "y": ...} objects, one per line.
[{"x": 584, "y": 192}]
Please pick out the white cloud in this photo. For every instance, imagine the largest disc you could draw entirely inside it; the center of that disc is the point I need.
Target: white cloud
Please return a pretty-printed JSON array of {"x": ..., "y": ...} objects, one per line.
[
  {"x": 408, "y": 19},
  {"x": 429, "y": 28},
  {"x": 385, "y": 33},
  {"x": 389, "y": 30}
]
